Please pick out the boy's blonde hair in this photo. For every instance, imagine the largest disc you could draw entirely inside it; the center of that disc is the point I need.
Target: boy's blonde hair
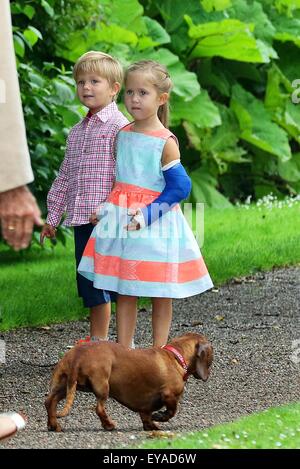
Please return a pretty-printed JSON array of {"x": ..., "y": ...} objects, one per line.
[
  {"x": 160, "y": 78},
  {"x": 103, "y": 64}
]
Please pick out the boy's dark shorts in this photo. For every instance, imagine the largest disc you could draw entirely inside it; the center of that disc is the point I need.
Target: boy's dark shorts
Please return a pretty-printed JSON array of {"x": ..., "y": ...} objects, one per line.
[{"x": 91, "y": 296}]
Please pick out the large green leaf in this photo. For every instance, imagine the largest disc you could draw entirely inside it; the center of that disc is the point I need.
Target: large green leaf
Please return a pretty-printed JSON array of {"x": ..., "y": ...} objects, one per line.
[
  {"x": 80, "y": 42},
  {"x": 263, "y": 27},
  {"x": 156, "y": 35},
  {"x": 204, "y": 190},
  {"x": 290, "y": 170},
  {"x": 70, "y": 115},
  {"x": 289, "y": 62},
  {"x": 127, "y": 15},
  {"x": 218, "y": 5},
  {"x": 278, "y": 101},
  {"x": 47, "y": 7},
  {"x": 219, "y": 143},
  {"x": 200, "y": 110},
  {"x": 256, "y": 125},
  {"x": 173, "y": 12},
  {"x": 156, "y": 31},
  {"x": 229, "y": 38},
  {"x": 214, "y": 76},
  {"x": 19, "y": 45},
  {"x": 287, "y": 29},
  {"x": 28, "y": 10},
  {"x": 64, "y": 92},
  {"x": 32, "y": 35},
  {"x": 287, "y": 6},
  {"x": 236, "y": 70}
]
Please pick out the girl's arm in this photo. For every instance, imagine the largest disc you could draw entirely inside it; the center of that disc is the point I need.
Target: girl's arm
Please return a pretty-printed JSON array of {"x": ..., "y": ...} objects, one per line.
[
  {"x": 170, "y": 153},
  {"x": 177, "y": 188}
]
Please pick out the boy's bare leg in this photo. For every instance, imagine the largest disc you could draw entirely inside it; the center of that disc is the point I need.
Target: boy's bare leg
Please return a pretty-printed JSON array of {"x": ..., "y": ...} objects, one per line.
[
  {"x": 99, "y": 320},
  {"x": 126, "y": 319},
  {"x": 161, "y": 320}
]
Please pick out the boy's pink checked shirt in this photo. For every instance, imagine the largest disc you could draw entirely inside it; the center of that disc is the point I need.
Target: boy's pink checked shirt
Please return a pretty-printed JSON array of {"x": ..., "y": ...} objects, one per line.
[{"x": 87, "y": 173}]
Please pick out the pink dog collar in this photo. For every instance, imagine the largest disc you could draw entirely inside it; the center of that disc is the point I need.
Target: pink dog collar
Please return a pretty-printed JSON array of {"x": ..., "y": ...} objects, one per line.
[{"x": 179, "y": 357}]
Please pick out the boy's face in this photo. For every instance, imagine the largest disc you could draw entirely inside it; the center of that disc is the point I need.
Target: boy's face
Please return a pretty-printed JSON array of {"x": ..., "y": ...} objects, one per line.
[{"x": 94, "y": 91}]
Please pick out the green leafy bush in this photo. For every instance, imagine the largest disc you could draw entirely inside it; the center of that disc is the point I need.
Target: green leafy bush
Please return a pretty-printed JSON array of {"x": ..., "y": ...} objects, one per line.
[{"x": 233, "y": 63}]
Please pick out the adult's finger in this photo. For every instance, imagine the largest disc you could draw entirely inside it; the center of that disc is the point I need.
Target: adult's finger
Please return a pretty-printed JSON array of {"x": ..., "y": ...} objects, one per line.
[
  {"x": 8, "y": 224},
  {"x": 14, "y": 231},
  {"x": 26, "y": 232},
  {"x": 18, "y": 212}
]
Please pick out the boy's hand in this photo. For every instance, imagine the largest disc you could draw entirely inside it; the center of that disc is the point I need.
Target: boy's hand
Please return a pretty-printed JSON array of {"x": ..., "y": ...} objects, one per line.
[
  {"x": 93, "y": 219},
  {"x": 48, "y": 231}
]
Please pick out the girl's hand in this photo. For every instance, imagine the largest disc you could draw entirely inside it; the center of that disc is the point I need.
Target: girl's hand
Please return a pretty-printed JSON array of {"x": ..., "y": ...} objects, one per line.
[
  {"x": 93, "y": 219},
  {"x": 48, "y": 231}
]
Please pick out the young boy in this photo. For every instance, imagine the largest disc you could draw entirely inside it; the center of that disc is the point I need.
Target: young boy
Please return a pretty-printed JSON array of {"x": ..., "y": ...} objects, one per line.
[{"x": 87, "y": 172}]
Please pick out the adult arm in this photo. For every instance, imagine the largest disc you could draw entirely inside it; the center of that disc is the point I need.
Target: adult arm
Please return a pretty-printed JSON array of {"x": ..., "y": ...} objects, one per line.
[
  {"x": 15, "y": 168},
  {"x": 18, "y": 208}
]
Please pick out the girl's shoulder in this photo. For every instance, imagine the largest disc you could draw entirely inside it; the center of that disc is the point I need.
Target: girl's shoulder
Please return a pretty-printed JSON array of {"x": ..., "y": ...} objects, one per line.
[{"x": 161, "y": 133}]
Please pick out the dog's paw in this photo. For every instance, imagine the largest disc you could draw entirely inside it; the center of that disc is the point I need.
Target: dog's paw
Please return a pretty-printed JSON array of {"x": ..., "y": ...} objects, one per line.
[
  {"x": 150, "y": 426},
  {"x": 110, "y": 428},
  {"x": 159, "y": 416},
  {"x": 55, "y": 428}
]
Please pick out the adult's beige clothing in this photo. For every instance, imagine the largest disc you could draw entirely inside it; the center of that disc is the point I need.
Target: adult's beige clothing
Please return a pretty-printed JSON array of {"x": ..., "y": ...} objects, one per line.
[{"x": 15, "y": 168}]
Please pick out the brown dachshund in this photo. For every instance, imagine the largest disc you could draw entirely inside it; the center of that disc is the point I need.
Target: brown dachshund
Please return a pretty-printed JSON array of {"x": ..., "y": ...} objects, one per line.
[{"x": 144, "y": 380}]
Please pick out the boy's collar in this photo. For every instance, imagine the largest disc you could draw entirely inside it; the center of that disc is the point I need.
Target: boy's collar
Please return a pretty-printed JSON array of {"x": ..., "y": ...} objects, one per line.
[{"x": 105, "y": 113}]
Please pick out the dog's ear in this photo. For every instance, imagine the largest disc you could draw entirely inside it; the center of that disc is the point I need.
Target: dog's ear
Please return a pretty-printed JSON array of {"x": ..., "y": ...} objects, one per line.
[{"x": 203, "y": 360}]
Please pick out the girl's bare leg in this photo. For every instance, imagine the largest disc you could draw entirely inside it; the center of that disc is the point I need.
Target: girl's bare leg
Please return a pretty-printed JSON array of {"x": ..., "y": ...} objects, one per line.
[
  {"x": 126, "y": 319},
  {"x": 99, "y": 320},
  {"x": 161, "y": 320}
]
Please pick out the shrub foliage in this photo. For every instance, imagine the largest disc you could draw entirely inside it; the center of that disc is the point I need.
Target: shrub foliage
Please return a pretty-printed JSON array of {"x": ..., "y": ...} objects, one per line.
[{"x": 233, "y": 63}]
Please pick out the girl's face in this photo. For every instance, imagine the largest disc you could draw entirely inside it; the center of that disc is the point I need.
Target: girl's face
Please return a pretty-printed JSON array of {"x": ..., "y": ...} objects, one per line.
[
  {"x": 94, "y": 91},
  {"x": 142, "y": 99}
]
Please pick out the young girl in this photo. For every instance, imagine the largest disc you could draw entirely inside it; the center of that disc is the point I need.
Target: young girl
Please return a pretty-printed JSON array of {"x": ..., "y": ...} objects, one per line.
[{"x": 142, "y": 245}]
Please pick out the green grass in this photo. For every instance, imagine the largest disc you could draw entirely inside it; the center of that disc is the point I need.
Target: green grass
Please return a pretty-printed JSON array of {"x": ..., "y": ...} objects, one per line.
[
  {"x": 38, "y": 287},
  {"x": 240, "y": 242},
  {"x": 271, "y": 429}
]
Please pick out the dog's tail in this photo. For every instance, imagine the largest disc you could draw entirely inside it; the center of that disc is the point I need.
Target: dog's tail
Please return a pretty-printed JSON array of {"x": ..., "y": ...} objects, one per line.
[{"x": 71, "y": 391}]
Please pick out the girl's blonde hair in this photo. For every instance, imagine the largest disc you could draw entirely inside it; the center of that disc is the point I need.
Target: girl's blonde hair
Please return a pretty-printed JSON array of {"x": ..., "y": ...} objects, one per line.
[
  {"x": 103, "y": 64},
  {"x": 160, "y": 78}
]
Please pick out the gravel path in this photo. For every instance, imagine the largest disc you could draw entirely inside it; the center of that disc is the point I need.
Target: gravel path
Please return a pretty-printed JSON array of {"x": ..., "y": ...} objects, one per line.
[{"x": 251, "y": 322}]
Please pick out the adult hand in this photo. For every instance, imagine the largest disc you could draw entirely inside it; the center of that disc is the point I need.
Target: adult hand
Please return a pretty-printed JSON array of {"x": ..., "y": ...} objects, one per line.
[
  {"x": 19, "y": 212},
  {"x": 48, "y": 231}
]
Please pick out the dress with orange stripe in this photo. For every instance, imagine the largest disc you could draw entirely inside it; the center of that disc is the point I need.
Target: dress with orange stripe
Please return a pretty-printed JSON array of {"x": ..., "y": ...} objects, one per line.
[{"x": 161, "y": 260}]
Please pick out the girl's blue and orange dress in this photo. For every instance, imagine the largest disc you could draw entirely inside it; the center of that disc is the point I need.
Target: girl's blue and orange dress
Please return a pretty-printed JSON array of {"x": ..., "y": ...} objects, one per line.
[{"x": 160, "y": 260}]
